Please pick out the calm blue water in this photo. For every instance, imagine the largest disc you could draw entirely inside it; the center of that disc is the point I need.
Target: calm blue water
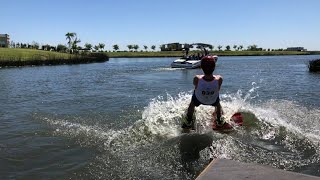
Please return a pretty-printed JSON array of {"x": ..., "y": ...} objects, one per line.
[{"x": 120, "y": 119}]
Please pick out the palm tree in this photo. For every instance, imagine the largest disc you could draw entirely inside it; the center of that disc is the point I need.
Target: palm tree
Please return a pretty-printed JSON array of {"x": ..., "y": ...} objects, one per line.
[
  {"x": 136, "y": 47},
  {"x": 240, "y": 47},
  {"x": 69, "y": 37},
  {"x": 130, "y": 47},
  {"x": 35, "y": 45},
  {"x": 211, "y": 47},
  {"x": 153, "y": 47},
  {"x": 74, "y": 44},
  {"x": 235, "y": 47},
  {"x": 115, "y": 47},
  {"x": 219, "y": 47},
  {"x": 252, "y": 47},
  {"x": 96, "y": 47},
  {"x": 227, "y": 48},
  {"x": 88, "y": 46},
  {"x": 101, "y": 46},
  {"x": 145, "y": 47}
]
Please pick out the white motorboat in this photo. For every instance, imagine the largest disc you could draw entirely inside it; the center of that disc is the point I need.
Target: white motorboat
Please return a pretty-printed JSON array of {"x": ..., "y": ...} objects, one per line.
[
  {"x": 188, "y": 64},
  {"x": 184, "y": 63},
  {"x": 194, "y": 61}
]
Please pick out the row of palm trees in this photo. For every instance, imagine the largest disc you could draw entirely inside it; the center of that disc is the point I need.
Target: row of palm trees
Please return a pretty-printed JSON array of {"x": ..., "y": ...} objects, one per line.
[
  {"x": 73, "y": 47},
  {"x": 99, "y": 47},
  {"x": 135, "y": 47},
  {"x": 228, "y": 47},
  {"x": 73, "y": 42}
]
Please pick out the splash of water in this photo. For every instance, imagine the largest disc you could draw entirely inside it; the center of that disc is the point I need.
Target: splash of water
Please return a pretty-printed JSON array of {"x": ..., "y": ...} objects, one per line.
[{"x": 286, "y": 134}]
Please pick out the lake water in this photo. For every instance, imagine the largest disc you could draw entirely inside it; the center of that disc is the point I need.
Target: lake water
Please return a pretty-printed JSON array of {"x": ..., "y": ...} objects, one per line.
[{"x": 120, "y": 119}]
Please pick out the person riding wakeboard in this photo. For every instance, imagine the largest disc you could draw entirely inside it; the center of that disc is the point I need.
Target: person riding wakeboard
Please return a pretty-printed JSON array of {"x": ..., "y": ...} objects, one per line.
[{"x": 206, "y": 92}]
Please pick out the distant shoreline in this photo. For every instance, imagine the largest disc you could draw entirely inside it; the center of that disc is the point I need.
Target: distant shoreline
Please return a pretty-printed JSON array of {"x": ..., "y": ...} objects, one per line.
[
  {"x": 164, "y": 56},
  {"x": 219, "y": 53},
  {"x": 16, "y": 57}
]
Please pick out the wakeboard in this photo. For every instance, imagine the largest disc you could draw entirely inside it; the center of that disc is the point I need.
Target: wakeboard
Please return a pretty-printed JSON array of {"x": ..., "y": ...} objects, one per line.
[{"x": 235, "y": 120}]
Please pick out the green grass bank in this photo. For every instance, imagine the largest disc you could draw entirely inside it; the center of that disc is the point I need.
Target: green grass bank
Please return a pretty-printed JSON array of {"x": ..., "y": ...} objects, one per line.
[{"x": 28, "y": 57}]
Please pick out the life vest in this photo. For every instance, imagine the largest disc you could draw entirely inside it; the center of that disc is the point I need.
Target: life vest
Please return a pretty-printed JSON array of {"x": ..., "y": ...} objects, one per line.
[{"x": 207, "y": 92}]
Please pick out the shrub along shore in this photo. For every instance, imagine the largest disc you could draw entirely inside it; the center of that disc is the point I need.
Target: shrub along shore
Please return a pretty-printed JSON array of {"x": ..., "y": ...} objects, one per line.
[{"x": 27, "y": 57}]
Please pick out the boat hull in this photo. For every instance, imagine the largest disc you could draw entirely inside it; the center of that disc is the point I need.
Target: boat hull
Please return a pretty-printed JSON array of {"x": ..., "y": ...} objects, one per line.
[{"x": 188, "y": 64}]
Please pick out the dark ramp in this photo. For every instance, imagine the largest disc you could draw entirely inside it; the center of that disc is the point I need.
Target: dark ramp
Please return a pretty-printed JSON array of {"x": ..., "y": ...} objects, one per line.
[{"x": 229, "y": 169}]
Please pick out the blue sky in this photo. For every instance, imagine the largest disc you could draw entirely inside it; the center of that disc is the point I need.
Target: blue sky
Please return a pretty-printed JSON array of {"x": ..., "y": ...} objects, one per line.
[{"x": 266, "y": 23}]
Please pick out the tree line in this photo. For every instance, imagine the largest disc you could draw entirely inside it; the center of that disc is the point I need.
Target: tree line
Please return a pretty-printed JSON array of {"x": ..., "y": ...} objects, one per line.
[{"x": 73, "y": 46}]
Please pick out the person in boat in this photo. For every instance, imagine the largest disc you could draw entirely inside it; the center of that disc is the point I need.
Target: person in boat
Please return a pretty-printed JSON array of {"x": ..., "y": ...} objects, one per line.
[{"x": 206, "y": 92}]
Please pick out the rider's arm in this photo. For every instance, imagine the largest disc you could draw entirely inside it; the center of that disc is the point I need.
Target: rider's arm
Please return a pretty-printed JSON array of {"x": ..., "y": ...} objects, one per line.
[
  {"x": 195, "y": 81},
  {"x": 219, "y": 78}
]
